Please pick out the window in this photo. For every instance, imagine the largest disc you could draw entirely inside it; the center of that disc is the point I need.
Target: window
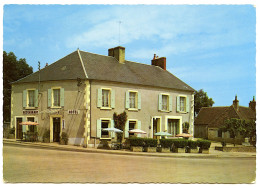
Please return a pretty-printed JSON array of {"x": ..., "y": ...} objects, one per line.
[
  {"x": 105, "y": 98},
  {"x": 104, "y": 125},
  {"x": 165, "y": 102},
  {"x": 30, "y": 98},
  {"x": 132, "y": 125},
  {"x": 56, "y": 97},
  {"x": 183, "y": 104},
  {"x": 132, "y": 99},
  {"x": 173, "y": 126}
]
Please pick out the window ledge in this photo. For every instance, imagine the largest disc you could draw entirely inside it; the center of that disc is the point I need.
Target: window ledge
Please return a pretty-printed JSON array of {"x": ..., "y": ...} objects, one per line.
[
  {"x": 56, "y": 107},
  {"x": 30, "y": 108},
  {"x": 105, "y": 138},
  {"x": 182, "y": 112},
  {"x": 132, "y": 109},
  {"x": 167, "y": 111},
  {"x": 106, "y": 108}
]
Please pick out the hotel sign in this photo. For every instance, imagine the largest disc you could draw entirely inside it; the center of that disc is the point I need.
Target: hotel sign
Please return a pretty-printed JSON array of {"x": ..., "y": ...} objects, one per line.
[{"x": 26, "y": 112}]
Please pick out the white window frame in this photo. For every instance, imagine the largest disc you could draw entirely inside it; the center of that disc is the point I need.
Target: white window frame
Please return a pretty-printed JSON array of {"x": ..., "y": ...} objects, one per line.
[
  {"x": 185, "y": 105},
  {"x": 52, "y": 97},
  {"x": 136, "y": 125},
  {"x": 109, "y": 125},
  {"x": 168, "y": 102},
  {"x": 173, "y": 117},
  {"x": 27, "y": 99},
  {"x": 136, "y": 100},
  {"x": 109, "y": 98}
]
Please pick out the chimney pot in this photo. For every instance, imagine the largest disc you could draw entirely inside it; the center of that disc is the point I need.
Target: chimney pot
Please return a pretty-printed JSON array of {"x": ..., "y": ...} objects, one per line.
[
  {"x": 236, "y": 103},
  {"x": 252, "y": 104},
  {"x": 118, "y": 53}
]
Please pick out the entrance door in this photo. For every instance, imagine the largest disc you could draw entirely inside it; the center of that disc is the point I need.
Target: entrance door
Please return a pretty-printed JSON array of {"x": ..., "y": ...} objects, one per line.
[
  {"x": 155, "y": 127},
  {"x": 19, "y": 128},
  {"x": 56, "y": 129}
]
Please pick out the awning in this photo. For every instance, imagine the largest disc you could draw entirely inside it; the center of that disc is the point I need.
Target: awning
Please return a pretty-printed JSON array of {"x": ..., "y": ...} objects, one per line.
[{"x": 29, "y": 123}]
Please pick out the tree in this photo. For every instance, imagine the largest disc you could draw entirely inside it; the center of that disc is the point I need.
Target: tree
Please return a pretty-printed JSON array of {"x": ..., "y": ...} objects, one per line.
[
  {"x": 13, "y": 70},
  {"x": 201, "y": 99},
  {"x": 120, "y": 120},
  {"x": 249, "y": 129}
]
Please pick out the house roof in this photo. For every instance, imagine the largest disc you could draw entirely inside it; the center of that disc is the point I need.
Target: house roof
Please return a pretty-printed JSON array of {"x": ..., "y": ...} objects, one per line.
[
  {"x": 215, "y": 116},
  {"x": 106, "y": 68}
]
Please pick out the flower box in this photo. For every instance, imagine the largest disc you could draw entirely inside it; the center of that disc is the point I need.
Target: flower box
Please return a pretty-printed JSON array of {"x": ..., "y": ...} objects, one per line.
[
  {"x": 164, "y": 150},
  {"x": 136, "y": 148},
  {"x": 150, "y": 149},
  {"x": 179, "y": 150}
]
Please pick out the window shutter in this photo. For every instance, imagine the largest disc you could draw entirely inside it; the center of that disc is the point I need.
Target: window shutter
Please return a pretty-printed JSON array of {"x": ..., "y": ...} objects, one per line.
[
  {"x": 98, "y": 128},
  {"x": 99, "y": 98},
  {"x": 178, "y": 103},
  {"x": 160, "y": 102},
  {"x": 49, "y": 97},
  {"x": 112, "y": 98},
  {"x": 139, "y": 127},
  {"x": 139, "y": 100},
  {"x": 112, "y": 126},
  {"x": 61, "y": 96},
  {"x": 187, "y": 104},
  {"x": 127, "y": 129},
  {"x": 36, "y": 98},
  {"x": 24, "y": 126},
  {"x": 36, "y": 127},
  {"x": 170, "y": 103},
  {"x": 24, "y": 98},
  {"x": 127, "y": 100}
]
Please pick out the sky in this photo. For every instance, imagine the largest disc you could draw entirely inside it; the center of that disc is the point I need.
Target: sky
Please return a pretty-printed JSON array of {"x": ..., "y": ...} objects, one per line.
[{"x": 209, "y": 47}]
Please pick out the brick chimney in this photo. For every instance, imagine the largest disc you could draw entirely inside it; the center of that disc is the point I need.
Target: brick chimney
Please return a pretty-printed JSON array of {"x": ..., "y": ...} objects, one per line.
[
  {"x": 252, "y": 104},
  {"x": 118, "y": 53},
  {"x": 236, "y": 103},
  {"x": 159, "y": 61}
]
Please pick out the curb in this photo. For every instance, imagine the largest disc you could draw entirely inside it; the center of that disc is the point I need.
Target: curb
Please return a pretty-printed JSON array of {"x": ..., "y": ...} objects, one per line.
[{"x": 116, "y": 152}]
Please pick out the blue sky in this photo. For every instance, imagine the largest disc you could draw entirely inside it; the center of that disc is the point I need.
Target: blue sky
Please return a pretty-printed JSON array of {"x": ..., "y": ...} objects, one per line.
[{"x": 210, "y": 47}]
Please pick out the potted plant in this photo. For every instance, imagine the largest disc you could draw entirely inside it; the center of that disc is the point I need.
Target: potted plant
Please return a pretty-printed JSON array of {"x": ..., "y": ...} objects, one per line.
[
  {"x": 46, "y": 136},
  {"x": 150, "y": 145},
  {"x": 136, "y": 144},
  {"x": 204, "y": 146},
  {"x": 64, "y": 138}
]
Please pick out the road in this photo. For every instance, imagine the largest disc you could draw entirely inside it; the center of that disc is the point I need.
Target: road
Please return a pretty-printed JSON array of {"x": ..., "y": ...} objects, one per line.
[{"x": 21, "y": 164}]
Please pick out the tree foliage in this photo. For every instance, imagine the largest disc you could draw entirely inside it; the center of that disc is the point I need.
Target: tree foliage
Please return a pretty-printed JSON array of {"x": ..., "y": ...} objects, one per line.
[
  {"x": 235, "y": 126},
  {"x": 13, "y": 70},
  {"x": 120, "y": 120},
  {"x": 201, "y": 99}
]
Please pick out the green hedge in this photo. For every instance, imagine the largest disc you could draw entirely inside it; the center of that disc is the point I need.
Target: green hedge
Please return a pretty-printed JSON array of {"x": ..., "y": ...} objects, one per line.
[
  {"x": 204, "y": 144},
  {"x": 192, "y": 144},
  {"x": 143, "y": 142},
  {"x": 179, "y": 143}
]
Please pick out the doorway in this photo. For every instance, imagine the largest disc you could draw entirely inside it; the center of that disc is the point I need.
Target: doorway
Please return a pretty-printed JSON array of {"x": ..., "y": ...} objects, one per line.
[
  {"x": 56, "y": 129},
  {"x": 19, "y": 128},
  {"x": 156, "y": 127}
]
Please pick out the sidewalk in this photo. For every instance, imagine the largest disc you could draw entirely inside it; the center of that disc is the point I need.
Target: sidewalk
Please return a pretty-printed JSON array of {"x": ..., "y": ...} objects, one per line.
[{"x": 55, "y": 146}]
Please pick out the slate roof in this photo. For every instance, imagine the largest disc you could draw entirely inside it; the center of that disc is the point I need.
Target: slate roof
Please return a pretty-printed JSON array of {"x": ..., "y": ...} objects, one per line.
[
  {"x": 107, "y": 68},
  {"x": 216, "y": 116}
]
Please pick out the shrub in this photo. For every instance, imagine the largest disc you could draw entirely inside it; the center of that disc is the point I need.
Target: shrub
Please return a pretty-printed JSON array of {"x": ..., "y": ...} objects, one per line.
[
  {"x": 178, "y": 143},
  {"x": 136, "y": 141},
  {"x": 46, "y": 134},
  {"x": 65, "y": 137},
  {"x": 204, "y": 144},
  {"x": 192, "y": 144},
  {"x": 150, "y": 142}
]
